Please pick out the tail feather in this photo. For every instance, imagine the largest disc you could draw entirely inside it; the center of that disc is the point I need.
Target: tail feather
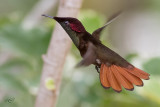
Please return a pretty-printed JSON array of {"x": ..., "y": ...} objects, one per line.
[
  {"x": 142, "y": 72},
  {"x": 114, "y": 76},
  {"x": 103, "y": 76},
  {"x": 132, "y": 78},
  {"x": 139, "y": 73},
  {"x": 125, "y": 82},
  {"x": 113, "y": 81}
]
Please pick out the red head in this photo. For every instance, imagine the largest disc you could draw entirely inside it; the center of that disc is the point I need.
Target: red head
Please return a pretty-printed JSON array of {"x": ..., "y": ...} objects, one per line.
[
  {"x": 69, "y": 22},
  {"x": 73, "y": 23},
  {"x": 72, "y": 26}
]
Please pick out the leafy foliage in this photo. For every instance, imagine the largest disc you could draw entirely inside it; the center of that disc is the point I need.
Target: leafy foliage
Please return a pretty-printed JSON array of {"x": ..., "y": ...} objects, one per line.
[{"x": 21, "y": 73}]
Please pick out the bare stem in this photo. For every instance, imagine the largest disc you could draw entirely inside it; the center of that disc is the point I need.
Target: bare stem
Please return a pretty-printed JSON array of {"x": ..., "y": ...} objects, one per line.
[{"x": 54, "y": 59}]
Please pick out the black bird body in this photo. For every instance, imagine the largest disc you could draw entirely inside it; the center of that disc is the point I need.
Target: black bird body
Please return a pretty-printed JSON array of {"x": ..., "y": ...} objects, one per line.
[
  {"x": 102, "y": 53},
  {"x": 115, "y": 71}
]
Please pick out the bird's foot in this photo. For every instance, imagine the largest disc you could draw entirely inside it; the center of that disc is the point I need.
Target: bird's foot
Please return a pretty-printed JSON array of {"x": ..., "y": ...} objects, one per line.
[{"x": 97, "y": 68}]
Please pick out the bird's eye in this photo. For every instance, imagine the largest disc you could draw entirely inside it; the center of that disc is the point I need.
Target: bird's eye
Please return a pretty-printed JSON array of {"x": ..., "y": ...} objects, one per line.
[{"x": 66, "y": 22}]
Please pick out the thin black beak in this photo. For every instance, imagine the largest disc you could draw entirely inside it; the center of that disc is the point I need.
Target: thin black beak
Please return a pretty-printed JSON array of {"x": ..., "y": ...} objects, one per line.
[
  {"x": 48, "y": 16},
  {"x": 55, "y": 18}
]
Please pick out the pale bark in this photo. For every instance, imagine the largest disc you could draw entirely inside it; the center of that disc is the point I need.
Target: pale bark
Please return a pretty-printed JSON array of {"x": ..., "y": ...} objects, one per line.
[{"x": 55, "y": 57}]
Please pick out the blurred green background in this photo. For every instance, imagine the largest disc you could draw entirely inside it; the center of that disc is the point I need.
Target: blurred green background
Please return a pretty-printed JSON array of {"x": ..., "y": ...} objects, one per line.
[{"x": 25, "y": 35}]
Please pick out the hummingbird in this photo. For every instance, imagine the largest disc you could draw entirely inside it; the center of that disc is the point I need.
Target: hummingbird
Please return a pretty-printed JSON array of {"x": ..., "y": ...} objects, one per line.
[{"x": 114, "y": 71}]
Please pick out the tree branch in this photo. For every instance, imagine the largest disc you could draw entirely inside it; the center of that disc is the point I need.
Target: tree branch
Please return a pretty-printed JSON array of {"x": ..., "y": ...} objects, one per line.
[{"x": 55, "y": 57}]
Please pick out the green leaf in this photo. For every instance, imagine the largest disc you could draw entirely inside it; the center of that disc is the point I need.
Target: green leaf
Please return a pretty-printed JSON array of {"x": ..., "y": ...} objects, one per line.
[
  {"x": 26, "y": 42},
  {"x": 129, "y": 57},
  {"x": 91, "y": 20},
  {"x": 152, "y": 66}
]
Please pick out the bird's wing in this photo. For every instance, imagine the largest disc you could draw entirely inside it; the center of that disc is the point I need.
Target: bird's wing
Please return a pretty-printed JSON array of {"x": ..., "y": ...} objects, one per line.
[
  {"x": 96, "y": 33},
  {"x": 116, "y": 76},
  {"x": 89, "y": 57}
]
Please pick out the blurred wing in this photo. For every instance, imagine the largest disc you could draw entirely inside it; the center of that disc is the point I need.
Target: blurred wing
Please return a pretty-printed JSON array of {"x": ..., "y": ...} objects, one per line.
[
  {"x": 115, "y": 76},
  {"x": 89, "y": 57},
  {"x": 97, "y": 32}
]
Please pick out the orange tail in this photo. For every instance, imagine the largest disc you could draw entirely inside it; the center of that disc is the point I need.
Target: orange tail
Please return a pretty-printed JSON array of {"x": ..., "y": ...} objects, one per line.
[{"x": 115, "y": 76}]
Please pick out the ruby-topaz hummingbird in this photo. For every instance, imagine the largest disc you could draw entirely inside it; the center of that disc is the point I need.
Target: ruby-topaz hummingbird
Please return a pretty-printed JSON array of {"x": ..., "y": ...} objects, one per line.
[{"x": 114, "y": 71}]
